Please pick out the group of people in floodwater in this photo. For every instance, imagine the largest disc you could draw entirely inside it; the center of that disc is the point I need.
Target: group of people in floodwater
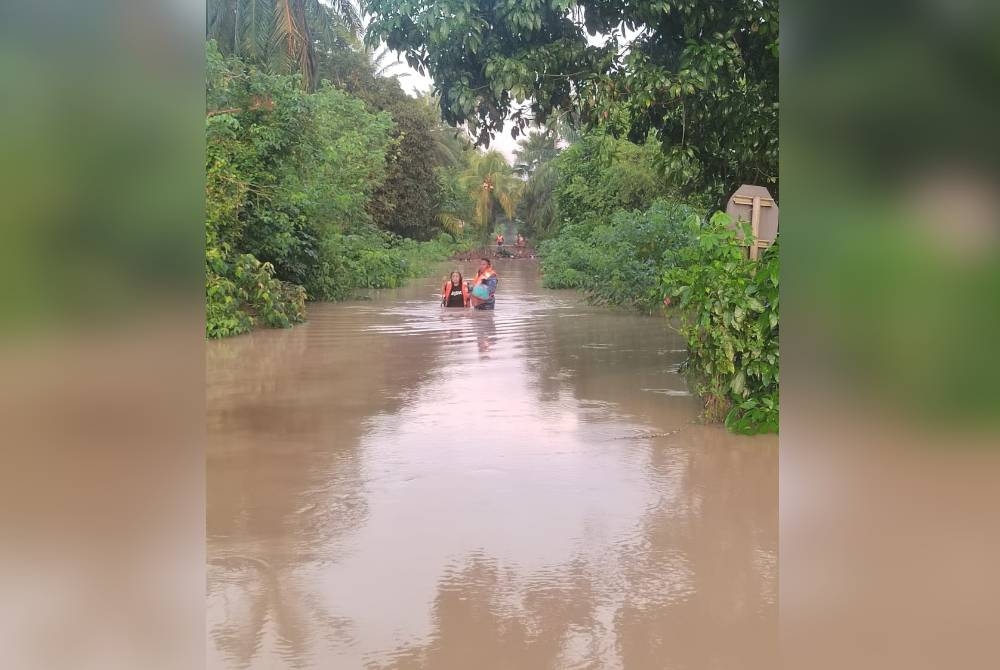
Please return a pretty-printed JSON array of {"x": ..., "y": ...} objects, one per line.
[
  {"x": 478, "y": 293},
  {"x": 521, "y": 244},
  {"x": 521, "y": 240}
]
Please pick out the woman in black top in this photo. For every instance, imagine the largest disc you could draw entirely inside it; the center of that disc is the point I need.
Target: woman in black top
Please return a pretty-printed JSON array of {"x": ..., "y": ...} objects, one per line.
[{"x": 455, "y": 293}]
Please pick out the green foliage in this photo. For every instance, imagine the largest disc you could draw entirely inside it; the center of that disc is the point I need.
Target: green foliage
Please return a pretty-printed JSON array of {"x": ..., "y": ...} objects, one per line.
[
  {"x": 287, "y": 169},
  {"x": 290, "y": 177},
  {"x": 615, "y": 233},
  {"x": 410, "y": 200},
  {"x": 241, "y": 292},
  {"x": 537, "y": 207},
  {"x": 620, "y": 263},
  {"x": 407, "y": 202},
  {"x": 456, "y": 206},
  {"x": 699, "y": 74},
  {"x": 535, "y": 150},
  {"x": 728, "y": 308},
  {"x": 486, "y": 185},
  {"x": 600, "y": 175},
  {"x": 370, "y": 258}
]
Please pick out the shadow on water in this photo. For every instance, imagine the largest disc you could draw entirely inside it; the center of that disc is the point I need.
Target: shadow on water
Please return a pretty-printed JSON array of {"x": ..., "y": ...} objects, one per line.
[{"x": 394, "y": 485}]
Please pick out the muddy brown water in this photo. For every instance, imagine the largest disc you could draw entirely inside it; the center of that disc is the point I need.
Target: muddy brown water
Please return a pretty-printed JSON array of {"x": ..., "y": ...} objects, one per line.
[{"x": 396, "y": 486}]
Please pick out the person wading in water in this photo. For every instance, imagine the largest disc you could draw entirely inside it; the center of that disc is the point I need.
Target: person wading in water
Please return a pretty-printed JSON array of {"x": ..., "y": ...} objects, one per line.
[
  {"x": 484, "y": 298},
  {"x": 455, "y": 292}
]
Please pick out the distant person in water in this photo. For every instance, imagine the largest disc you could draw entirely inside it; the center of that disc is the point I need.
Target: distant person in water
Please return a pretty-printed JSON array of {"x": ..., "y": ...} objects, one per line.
[
  {"x": 499, "y": 240},
  {"x": 520, "y": 243},
  {"x": 485, "y": 297},
  {"x": 455, "y": 292}
]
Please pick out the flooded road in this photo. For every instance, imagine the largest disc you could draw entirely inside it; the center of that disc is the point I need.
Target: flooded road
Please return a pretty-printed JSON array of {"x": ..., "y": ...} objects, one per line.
[{"x": 397, "y": 486}]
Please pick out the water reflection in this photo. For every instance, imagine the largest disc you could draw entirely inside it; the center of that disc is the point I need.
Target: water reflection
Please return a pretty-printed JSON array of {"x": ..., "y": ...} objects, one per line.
[
  {"x": 486, "y": 334},
  {"x": 397, "y": 486},
  {"x": 484, "y": 619}
]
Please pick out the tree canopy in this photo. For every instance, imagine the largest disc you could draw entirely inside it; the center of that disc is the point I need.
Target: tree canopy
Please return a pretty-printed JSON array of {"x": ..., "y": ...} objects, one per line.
[{"x": 700, "y": 74}]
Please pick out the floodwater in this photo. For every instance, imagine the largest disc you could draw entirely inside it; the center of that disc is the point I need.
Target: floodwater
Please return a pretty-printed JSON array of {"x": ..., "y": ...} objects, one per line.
[{"x": 397, "y": 486}]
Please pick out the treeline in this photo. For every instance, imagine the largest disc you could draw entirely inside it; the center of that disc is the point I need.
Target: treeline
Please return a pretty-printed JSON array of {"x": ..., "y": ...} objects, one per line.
[{"x": 322, "y": 175}]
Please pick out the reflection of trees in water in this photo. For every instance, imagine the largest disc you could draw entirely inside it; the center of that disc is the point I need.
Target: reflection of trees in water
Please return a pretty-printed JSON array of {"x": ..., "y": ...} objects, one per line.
[
  {"x": 724, "y": 521},
  {"x": 699, "y": 583},
  {"x": 284, "y": 477},
  {"x": 267, "y": 596},
  {"x": 547, "y": 380},
  {"x": 688, "y": 591},
  {"x": 483, "y": 619},
  {"x": 597, "y": 354}
]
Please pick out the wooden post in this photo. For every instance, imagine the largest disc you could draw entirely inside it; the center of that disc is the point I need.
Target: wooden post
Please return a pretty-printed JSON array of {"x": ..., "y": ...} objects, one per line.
[{"x": 754, "y": 203}]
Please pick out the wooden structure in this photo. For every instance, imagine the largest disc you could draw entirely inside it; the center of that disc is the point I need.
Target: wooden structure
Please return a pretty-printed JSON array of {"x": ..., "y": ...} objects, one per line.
[{"x": 755, "y": 204}]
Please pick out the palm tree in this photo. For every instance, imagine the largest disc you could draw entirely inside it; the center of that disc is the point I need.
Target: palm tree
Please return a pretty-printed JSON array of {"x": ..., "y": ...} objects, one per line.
[
  {"x": 567, "y": 128},
  {"x": 534, "y": 163},
  {"x": 282, "y": 35},
  {"x": 490, "y": 183},
  {"x": 380, "y": 68},
  {"x": 538, "y": 203},
  {"x": 534, "y": 150},
  {"x": 451, "y": 145}
]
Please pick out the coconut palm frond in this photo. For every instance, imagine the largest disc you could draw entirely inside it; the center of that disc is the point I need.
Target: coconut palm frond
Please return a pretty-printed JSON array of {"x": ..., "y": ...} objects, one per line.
[
  {"x": 291, "y": 32},
  {"x": 449, "y": 149},
  {"x": 328, "y": 30},
  {"x": 256, "y": 29},
  {"x": 381, "y": 68},
  {"x": 286, "y": 29},
  {"x": 217, "y": 16},
  {"x": 349, "y": 12},
  {"x": 508, "y": 202},
  {"x": 284, "y": 35},
  {"x": 534, "y": 150},
  {"x": 451, "y": 222}
]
